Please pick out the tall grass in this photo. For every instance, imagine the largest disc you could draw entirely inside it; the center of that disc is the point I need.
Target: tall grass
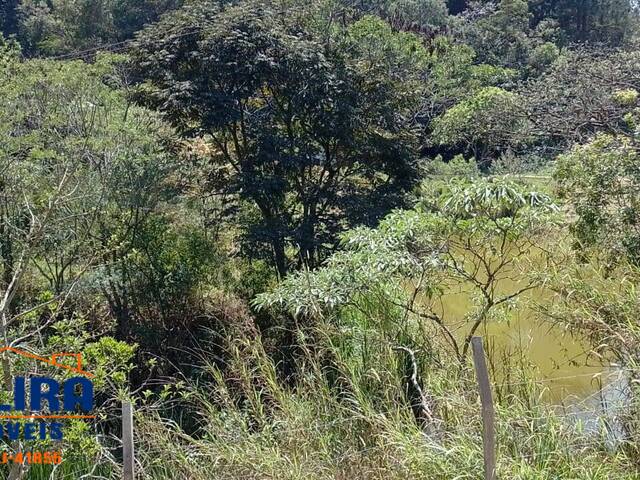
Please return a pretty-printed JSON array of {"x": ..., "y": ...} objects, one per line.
[
  {"x": 348, "y": 417},
  {"x": 347, "y": 414}
]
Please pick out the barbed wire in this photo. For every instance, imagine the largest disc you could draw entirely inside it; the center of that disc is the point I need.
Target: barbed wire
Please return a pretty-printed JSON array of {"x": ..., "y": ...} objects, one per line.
[
  {"x": 597, "y": 414},
  {"x": 598, "y": 443},
  {"x": 82, "y": 53},
  {"x": 111, "y": 48},
  {"x": 568, "y": 377}
]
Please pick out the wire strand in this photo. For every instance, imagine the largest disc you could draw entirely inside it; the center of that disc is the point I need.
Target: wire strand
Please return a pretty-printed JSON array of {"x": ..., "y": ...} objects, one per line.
[{"x": 112, "y": 47}]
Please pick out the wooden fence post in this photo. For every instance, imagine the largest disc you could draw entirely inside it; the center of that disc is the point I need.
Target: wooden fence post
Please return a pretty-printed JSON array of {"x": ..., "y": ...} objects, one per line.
[
  {"x": 488, "y": 413},
  {"x": 128, "y": 455}
]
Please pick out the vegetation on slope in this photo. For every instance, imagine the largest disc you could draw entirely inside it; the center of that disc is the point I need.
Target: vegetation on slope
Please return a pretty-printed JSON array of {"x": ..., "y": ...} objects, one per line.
[{"x": 249, "y": 217}]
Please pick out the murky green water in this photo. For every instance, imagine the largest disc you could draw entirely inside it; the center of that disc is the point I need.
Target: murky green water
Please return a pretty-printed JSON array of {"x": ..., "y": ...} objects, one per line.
[
  {"x": 585, "y": 390},
  {"x": 524, "y": 340}
]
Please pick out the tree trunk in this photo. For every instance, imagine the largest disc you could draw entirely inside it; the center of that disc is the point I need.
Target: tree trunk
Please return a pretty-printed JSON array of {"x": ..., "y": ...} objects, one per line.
[
  {"x": 279, "y": 256},
  {"x": 307, "y": 238}
]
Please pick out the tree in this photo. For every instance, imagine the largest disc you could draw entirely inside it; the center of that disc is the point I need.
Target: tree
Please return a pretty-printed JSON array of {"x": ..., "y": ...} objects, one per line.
[
  {"x": 500, "y": 36},
  {"x": 427, "y": 16},
  {"x": 130, "y": 16},
  {"x": 62, "y": 26},
  {"x": 482, "y": 123},
  {"x": 82, "y": 170},
  {"x": 577, "y": 98},
  {"x": 57, "y": 135},
  {"x": 314, "y": 136},
  {"x": 8, "y": 17},
  {"x": 503, "y": 34},
  {"x": 453, "y": 74},
  {"x": 469, "y": 236},
  {"x": 606, "y": 21},
  {"x": 601, "y": 180}
]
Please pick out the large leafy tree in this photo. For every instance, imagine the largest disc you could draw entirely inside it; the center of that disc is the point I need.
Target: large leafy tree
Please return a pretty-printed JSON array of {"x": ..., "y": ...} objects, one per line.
[
  {"x": 466, "y": 236},
  {"x": 8, "y": 16},
  {"x": 59, "y": 27},
  {"x": 82, "y": 173},
  {"x": 602, "y": 181},
  {"x": 503, "y": 36},
  {"x": 424, "y": 16},
  {"x": 577, "y": 98},
  {"x": 482, "y": 123},
  {"x": 607, "y": 21},
  {"x": 314, "y": 136}
]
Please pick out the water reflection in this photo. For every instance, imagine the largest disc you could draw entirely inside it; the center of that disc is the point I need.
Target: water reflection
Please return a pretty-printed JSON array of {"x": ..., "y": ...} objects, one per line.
[{"x": 587, "y": 391}]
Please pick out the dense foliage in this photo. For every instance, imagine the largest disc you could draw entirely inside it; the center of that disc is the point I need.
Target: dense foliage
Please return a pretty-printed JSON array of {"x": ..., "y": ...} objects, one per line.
[
  {"x": 276, "y": 225},
  {"x": 316, "y": 137}
]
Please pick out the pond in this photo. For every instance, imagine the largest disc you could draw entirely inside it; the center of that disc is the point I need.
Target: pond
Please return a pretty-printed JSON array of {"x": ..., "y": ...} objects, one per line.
[{"x": 584, "y": 388}]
